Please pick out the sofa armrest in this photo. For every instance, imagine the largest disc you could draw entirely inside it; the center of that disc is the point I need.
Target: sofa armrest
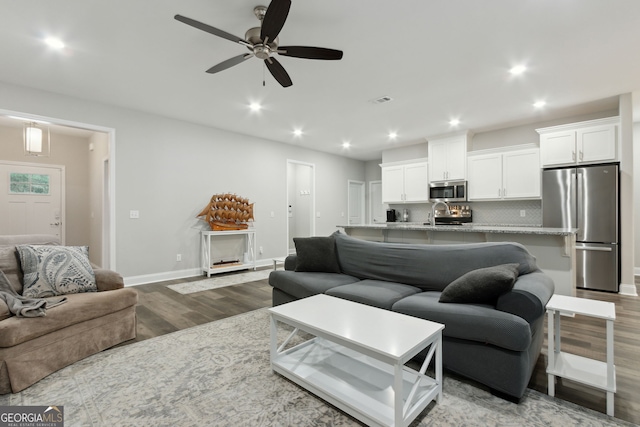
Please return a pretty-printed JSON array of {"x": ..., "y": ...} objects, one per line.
[
  {"x": 529, "y": 296},
  {"x": 290, "y": 262},
  {"x": 108, "y": 280}
]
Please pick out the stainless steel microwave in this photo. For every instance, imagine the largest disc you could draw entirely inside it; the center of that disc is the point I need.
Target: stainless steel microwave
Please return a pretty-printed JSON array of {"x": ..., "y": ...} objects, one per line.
[{"x": 448, "y": 191}]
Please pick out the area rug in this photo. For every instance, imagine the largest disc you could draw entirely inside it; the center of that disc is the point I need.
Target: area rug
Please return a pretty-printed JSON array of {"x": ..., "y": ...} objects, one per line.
[
  {"x": 220, "y": 281},
  {"x": 218, "y": 374}
]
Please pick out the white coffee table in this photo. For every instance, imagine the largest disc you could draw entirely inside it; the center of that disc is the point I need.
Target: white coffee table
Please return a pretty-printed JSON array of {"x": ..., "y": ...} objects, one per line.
[{"x": 355, "y": 359}]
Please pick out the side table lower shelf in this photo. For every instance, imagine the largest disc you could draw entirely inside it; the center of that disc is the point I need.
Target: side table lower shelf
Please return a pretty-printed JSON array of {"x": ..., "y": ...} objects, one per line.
[{"x": 582, "y": 370}]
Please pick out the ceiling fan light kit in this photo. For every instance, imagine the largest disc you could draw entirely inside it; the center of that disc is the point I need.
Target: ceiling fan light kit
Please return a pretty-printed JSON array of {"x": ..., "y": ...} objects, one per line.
[{"x": 263, "y": 42}]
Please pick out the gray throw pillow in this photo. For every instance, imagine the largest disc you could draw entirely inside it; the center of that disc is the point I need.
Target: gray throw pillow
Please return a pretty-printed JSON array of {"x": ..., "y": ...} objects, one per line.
[
  {"x": 55, "y": 270},
  {"x": 481, "y": 286},
  {"x": 316, "y": 254}
]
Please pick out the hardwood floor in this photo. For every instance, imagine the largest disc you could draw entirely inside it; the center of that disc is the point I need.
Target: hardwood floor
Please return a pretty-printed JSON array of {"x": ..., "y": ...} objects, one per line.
[{"x": 161, "y": 310}]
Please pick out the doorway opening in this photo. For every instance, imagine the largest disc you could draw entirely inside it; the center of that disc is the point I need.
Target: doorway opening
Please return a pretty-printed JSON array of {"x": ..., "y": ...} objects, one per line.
[
  {"x": 301, "y": 201},
  {"x": 97, "y": 207}
]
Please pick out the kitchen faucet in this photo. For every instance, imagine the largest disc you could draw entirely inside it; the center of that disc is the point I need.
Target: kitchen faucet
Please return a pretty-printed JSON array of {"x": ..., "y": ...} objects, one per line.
[{"x": 433, "y": 211}]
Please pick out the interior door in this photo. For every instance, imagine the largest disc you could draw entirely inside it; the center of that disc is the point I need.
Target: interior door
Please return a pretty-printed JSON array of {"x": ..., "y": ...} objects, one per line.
[
  {"x": 356, "y": 202},
  {"x": 31, "y": 199},
  {"x": 376, "y": 207},
  {"x": 300, "y": 201}
]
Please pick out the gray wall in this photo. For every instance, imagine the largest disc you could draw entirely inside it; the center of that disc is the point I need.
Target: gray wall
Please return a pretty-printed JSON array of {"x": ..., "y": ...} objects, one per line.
[
  {"x": 168, "y": 170},
  {"x": 526, "y": 134}
]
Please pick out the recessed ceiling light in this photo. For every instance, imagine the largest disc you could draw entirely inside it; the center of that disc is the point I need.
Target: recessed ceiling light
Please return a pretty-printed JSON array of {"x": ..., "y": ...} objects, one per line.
[
  {"x": 517, "y": 70},
  {"x": 393, "y": 135},
  {"x": 255, "y": 107},
  {"x": 346, "y": 144},
  {"x": 539, "y": 104},
  {"x": 54, "y": 42},
  {"x": 454, "y": 122},
  {"x": 297, "y": 132}
]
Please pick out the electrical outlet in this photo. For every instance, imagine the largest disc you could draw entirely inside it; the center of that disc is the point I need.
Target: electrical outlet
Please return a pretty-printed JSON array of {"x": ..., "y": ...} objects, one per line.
[
  {"x": 523, "y": 213},
  {"x": 179, "y": 257},
  {"x": 134, "y": 214},
  {"x": 260, "y": 250}
]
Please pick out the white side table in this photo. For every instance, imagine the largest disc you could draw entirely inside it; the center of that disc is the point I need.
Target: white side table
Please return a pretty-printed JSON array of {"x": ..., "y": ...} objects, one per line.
[
  {"x": 587, "y": 371},
  {"x": 277, "y": 261}
]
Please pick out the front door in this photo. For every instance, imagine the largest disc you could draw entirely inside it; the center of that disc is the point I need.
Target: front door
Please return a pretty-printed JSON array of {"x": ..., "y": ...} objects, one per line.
[{"x": 31, "y": 199}]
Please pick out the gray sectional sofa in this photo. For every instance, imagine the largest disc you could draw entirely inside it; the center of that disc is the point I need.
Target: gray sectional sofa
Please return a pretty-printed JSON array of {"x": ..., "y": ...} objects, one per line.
[{"x": 493, "y": 337}]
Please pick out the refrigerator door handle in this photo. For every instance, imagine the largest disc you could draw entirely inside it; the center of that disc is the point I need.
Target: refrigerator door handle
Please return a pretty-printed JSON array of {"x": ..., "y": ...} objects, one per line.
[
  {"x": 594, "y": 248},
  {"x": 580, "y": 222}
]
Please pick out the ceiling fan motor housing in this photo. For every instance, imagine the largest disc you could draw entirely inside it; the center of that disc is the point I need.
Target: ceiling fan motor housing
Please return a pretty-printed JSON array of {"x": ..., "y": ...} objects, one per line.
[{"x": 260, "y": 50}]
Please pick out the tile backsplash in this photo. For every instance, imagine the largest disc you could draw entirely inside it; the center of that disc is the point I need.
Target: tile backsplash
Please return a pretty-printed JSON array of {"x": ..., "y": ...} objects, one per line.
[{"x": 505, "y": 212}]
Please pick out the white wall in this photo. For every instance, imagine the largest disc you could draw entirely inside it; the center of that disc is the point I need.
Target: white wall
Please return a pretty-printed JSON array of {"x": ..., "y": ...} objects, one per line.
[{"x": 168, "y": 170}]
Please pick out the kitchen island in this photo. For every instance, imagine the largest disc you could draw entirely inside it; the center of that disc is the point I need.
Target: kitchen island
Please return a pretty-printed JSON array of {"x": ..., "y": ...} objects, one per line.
[{"x": 554, "y": 248}]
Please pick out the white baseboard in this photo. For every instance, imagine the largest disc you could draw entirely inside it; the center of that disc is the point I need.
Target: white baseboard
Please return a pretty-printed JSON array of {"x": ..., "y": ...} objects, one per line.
[
  {"x": 177, "y": 274},
  {"x": 629, "y": 290}
]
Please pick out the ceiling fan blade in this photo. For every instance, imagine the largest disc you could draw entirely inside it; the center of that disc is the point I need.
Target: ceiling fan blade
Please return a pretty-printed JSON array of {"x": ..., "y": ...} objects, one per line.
[
  {"x": 229, "y": 63},
  {"x": 211, "y": 30},
  {"x": 309, "y": 52},
  {"x": 278, "y": 72},
  {"x": 274, "y": 19}
]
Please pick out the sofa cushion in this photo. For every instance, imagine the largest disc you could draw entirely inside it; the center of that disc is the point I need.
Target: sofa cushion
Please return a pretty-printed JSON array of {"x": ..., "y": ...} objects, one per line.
[
  {"x": 302, "y": 285},
  {"x": 373, "y": 292},
  {"x": 481, "y": 286},
  {"x": 316, "y": 254},
  {"x": 429, "y": 267},
  {"x": 78, "y": 308},
  {"x": 4, "y": 310},
  {"x": 474, "y": 322},
  {"x": 9, "y": 261},
  {"x": 55, "y": 270}
]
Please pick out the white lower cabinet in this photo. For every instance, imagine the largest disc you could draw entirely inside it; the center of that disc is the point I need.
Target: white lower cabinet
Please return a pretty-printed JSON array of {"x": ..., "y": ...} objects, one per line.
[{"x": 501, "y": 176}]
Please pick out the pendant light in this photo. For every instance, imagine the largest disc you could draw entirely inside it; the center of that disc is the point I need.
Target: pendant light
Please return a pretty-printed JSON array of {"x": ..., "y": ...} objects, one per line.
[{"x": 37, "y": 140}]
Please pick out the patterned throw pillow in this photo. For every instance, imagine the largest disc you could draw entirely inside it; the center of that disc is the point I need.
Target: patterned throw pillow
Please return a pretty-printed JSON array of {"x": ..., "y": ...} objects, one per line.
[{"x": 55, "y": 270}]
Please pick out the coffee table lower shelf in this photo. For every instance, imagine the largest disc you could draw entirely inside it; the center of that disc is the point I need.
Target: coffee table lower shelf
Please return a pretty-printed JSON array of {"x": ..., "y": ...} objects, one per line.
[{"x": 355, "y": 383}]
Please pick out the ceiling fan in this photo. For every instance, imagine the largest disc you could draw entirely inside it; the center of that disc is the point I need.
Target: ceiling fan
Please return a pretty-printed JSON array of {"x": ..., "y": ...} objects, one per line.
[{"x": 262, "y": 41}]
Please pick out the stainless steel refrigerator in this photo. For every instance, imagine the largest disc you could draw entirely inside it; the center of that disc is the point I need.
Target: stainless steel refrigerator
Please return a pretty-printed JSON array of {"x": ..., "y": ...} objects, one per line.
[{"x": 587, "y": 198}]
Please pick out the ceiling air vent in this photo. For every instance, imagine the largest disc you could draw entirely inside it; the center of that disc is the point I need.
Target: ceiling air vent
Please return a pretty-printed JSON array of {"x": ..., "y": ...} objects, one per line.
[{"x": 381, "y": 100}]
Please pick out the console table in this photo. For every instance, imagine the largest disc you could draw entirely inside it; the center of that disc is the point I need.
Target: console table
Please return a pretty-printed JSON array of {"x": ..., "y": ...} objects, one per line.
[
  {"x": 587, "y": 371},
  {"x": 205, "y": 245}
]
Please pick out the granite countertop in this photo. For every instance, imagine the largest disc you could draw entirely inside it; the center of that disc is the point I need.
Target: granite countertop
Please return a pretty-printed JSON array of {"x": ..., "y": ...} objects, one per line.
[{"x": 469, "y": 228}]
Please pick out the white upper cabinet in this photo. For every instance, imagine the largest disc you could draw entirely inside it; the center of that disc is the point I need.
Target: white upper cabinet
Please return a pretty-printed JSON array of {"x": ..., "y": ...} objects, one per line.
[
  {"x": 448, "y": 158},
  {"x": 594, "y": 141},
  {"x": 392, "y": 184},
  {"x": 521, "y": 174},
  {"x": 502, "y": 176},
  {"x": 405, "y": 183}
]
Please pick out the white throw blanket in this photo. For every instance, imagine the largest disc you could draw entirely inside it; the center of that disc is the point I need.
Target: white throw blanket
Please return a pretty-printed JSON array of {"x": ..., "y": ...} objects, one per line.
[{"x": 25, "y": 307}]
